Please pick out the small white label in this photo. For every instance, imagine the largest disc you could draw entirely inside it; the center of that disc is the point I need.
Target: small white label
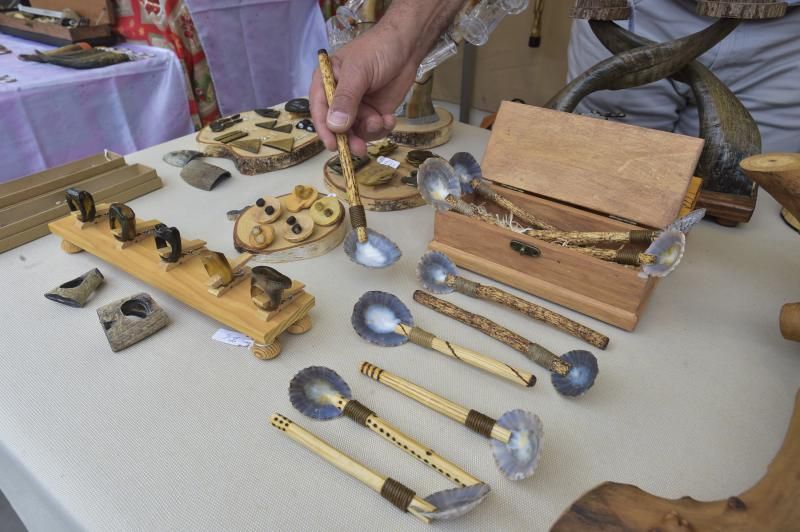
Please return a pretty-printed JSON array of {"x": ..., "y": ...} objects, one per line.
[
  {"x": 385, "y": 161},
  {"x": 232, "y": 338}
]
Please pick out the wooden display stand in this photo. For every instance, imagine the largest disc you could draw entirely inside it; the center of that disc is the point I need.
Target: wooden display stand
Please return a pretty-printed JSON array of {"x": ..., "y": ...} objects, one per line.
[
  {"x": 191, "y": 284},
  {"x": 305, "y": 145},
  {"x": 99, "y": 12},
  {"x": 581, "y": 174},
  {"x": 424, "y": 136},
  {"x": 391, "y": 196},
  {"x": 28, "y": 204},
  {"x": 321, "y": 241}
]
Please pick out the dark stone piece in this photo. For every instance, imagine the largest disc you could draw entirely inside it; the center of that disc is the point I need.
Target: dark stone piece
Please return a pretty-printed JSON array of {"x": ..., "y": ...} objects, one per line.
[
  {"x": 299, "y": 106},
  {"x": 268, "y": 113},
  {"x": 260, "y": 202},
  {"x": 270, "y": 210},
  {"x": 297, "y": 229},
  {"x": 307, "y": 125},
  {"x": 291, "y": 220}
]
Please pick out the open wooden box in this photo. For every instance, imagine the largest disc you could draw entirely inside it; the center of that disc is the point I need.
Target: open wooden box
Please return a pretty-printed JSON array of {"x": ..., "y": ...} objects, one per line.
[
  {"x": 577, "y": 173},
  {"x": 99, "y": 12}
]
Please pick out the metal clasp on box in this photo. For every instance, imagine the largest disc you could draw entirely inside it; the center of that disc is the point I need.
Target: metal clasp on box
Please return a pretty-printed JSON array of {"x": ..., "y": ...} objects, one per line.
[{"x": 525, "y": 249}]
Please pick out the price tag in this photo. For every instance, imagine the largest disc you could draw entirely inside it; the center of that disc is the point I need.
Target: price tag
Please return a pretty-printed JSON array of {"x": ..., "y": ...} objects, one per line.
[
  {"x": 385, "y": 161},
  {"x": 232, "y": 338}
]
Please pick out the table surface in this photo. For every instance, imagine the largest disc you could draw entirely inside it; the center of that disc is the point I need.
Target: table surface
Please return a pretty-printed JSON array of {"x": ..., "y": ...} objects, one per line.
[{"x": 173, "y": 433}]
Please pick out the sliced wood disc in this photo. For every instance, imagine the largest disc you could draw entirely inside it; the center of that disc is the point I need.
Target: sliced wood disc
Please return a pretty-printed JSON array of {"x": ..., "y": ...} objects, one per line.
[
  {"x": 252, "y": 145},
  {"x": 302, "y": 197},
  {"x": 261, "y": 236},
  {"x": 326, "y": 211},
  {"x": 306, "y": 225},
  {"x": 262, "y": 216}
]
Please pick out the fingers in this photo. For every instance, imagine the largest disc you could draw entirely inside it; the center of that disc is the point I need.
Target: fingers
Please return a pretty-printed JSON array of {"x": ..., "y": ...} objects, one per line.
[
  {"x": 319, "y": 111},
  {"x": 352, "y": 84},
  {"x": 370, "y": 125}
]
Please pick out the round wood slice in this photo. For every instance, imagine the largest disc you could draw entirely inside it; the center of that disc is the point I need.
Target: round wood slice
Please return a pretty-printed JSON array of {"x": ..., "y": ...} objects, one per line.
[
  {"x": 306, "y": 145},
  {"x": 392, "y": 196},
  {"x": 321, "y": 241},
  {"x": 424, "y": 136}
]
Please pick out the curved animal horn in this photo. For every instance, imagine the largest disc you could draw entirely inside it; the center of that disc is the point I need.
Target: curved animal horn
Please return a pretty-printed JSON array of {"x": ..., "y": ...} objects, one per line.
[
  {"x": 730, "y": 132},
  {"x": 641, "y": 65}
]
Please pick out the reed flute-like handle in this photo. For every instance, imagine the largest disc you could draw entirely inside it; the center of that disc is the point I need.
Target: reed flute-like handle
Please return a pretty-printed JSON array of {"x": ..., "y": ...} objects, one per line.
[
  {"x": 533, "y": 351},
  {"x": 366, "y": 417},
  {"x": 471, "y": 419},
  {"x": 358, "y": 217},
  {"x": 624, "y": 256},
  {"x": 388, "y": 488},
  {"x": 537, "y": 312},
  {"x": 468, "y": 356},
  {"x": 588, "y": 238}
]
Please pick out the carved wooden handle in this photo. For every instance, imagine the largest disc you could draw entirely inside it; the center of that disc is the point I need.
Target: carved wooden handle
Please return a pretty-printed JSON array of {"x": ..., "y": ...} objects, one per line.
[
  {"x": 528, "y": 308},
  {"x": 533, "y": 351},
  {"x": 778, "y": 174},
  {"x": 424, "y": 454},
  {"x": 427, "y": 398},
  {"x": 344, "y": 463},
  {"x": 468, "y": 356},
  {"x": 357, "y": 217}
]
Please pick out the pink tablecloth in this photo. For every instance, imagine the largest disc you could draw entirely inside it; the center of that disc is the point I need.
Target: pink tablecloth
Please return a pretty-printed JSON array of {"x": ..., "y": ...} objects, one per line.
[{"x": 53, "y": 115}]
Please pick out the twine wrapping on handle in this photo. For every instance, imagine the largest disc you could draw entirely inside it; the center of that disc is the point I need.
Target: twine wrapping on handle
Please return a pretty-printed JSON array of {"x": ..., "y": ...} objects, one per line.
[
  {"x": 357, "y": 412},
  {"x": 480, "y": 423},
  {"x": 397, "y": 494}
]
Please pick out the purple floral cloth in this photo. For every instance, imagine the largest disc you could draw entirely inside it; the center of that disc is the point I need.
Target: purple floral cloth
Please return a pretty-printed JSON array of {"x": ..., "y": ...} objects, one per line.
[
  {"x": 261, "y": 52},
  {"x": 53, "y": 115}
]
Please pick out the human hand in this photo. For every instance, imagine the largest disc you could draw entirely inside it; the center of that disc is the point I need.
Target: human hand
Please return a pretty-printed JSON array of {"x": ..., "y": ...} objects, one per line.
[{"x": 374, "y": 73}]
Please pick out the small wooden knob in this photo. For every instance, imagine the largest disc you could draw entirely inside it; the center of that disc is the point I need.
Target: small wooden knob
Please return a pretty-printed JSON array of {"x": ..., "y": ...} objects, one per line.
[{"x": 790, "y": 321}]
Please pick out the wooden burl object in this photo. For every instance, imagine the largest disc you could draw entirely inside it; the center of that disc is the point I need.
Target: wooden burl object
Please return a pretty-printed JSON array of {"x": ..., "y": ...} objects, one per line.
[{"x": 772, "y": 504}]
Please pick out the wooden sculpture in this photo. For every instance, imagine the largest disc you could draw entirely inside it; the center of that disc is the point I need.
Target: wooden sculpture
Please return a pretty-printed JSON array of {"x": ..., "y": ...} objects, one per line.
[
  {"x": 769, "y": 505},
  {"x": 728, "y": 128},
  {"x": 263, "y": 140},
  {"x": 421, "y": 125},
  {"x": 201, "y": 278}
]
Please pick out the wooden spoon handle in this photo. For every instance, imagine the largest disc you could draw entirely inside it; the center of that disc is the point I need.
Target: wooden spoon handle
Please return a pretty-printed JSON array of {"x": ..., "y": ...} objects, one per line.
[
  {"x": 344, "y": 463},
  {"x": 437, "y": 403},
  {"x": 468, "y": 356},
  {"x": 385, "y": 430},
  {"x": 528, "y": 308},
  {"x": 358, "y": 217}
]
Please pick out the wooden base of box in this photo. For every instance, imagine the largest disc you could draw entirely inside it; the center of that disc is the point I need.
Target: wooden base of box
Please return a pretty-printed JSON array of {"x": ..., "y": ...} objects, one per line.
[
  {"x": 603, "y": 290},
  {"x": 99, "y": 35}
]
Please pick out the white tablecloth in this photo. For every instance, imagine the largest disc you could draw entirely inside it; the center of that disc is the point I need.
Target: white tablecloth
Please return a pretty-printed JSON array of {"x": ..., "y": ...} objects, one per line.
[{"x": 173, "y": 433}]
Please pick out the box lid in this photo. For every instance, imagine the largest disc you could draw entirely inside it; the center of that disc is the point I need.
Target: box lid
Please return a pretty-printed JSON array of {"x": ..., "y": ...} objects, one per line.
[
  {"x": 634, "y": 173},
  {"x": 97, "y": 11}
]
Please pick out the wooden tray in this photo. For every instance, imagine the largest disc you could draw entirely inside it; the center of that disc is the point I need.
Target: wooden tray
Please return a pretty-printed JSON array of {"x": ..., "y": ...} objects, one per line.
[
  {"x": 306, "y": 145},
  {"x": 392, "y": 196},
  {"x": 99, "y": 12},
  {"x": 577, "y": 173},
  {"x": 321, "y": 241}
]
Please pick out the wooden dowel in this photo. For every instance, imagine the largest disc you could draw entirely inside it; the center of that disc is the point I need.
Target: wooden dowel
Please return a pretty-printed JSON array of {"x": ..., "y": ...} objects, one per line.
[
  {"x": 357, "y": 215},
  {"x": 533, "y": 351},
  {"x": 344, "y": 463},
  {"x": 412, "y": 447},
  {"x": 468, "y": 356},
  {"x": 537, "y": 312},
  {"x": 485, "y": 191},
  {"x": 427, "y": 398}
]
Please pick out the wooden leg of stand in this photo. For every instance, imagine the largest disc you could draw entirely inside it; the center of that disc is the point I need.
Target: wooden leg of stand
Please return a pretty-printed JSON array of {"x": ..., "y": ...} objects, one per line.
[
  {"x": 69, "y": 247},
  {"x": 301, "y": 326},
  {"x": 266, "y": 352}
]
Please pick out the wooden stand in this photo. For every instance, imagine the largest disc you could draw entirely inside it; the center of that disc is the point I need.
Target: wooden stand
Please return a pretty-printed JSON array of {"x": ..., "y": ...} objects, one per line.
[
  {"x": 769, "y": 505},
  {"x": 607, "y": 171},
  {"x": 27, "y": 205},
  {"x": 190, "y": 283},
  {"x": 321, "y": 241},
  {"x": 424, "y": 136},
  {"x": 306, "y": 145},
  {"x": 391, "y": 196}
]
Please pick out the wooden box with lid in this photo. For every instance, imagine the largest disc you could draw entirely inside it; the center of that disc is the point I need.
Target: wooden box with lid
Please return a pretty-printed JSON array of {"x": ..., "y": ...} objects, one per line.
[
  {"x": 100, "y": 14},
  {"x": 578, "y": 174}
]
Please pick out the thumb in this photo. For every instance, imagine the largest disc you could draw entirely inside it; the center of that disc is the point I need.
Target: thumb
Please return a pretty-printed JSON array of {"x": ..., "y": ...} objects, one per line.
[{"x": 351, "y": 88}]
